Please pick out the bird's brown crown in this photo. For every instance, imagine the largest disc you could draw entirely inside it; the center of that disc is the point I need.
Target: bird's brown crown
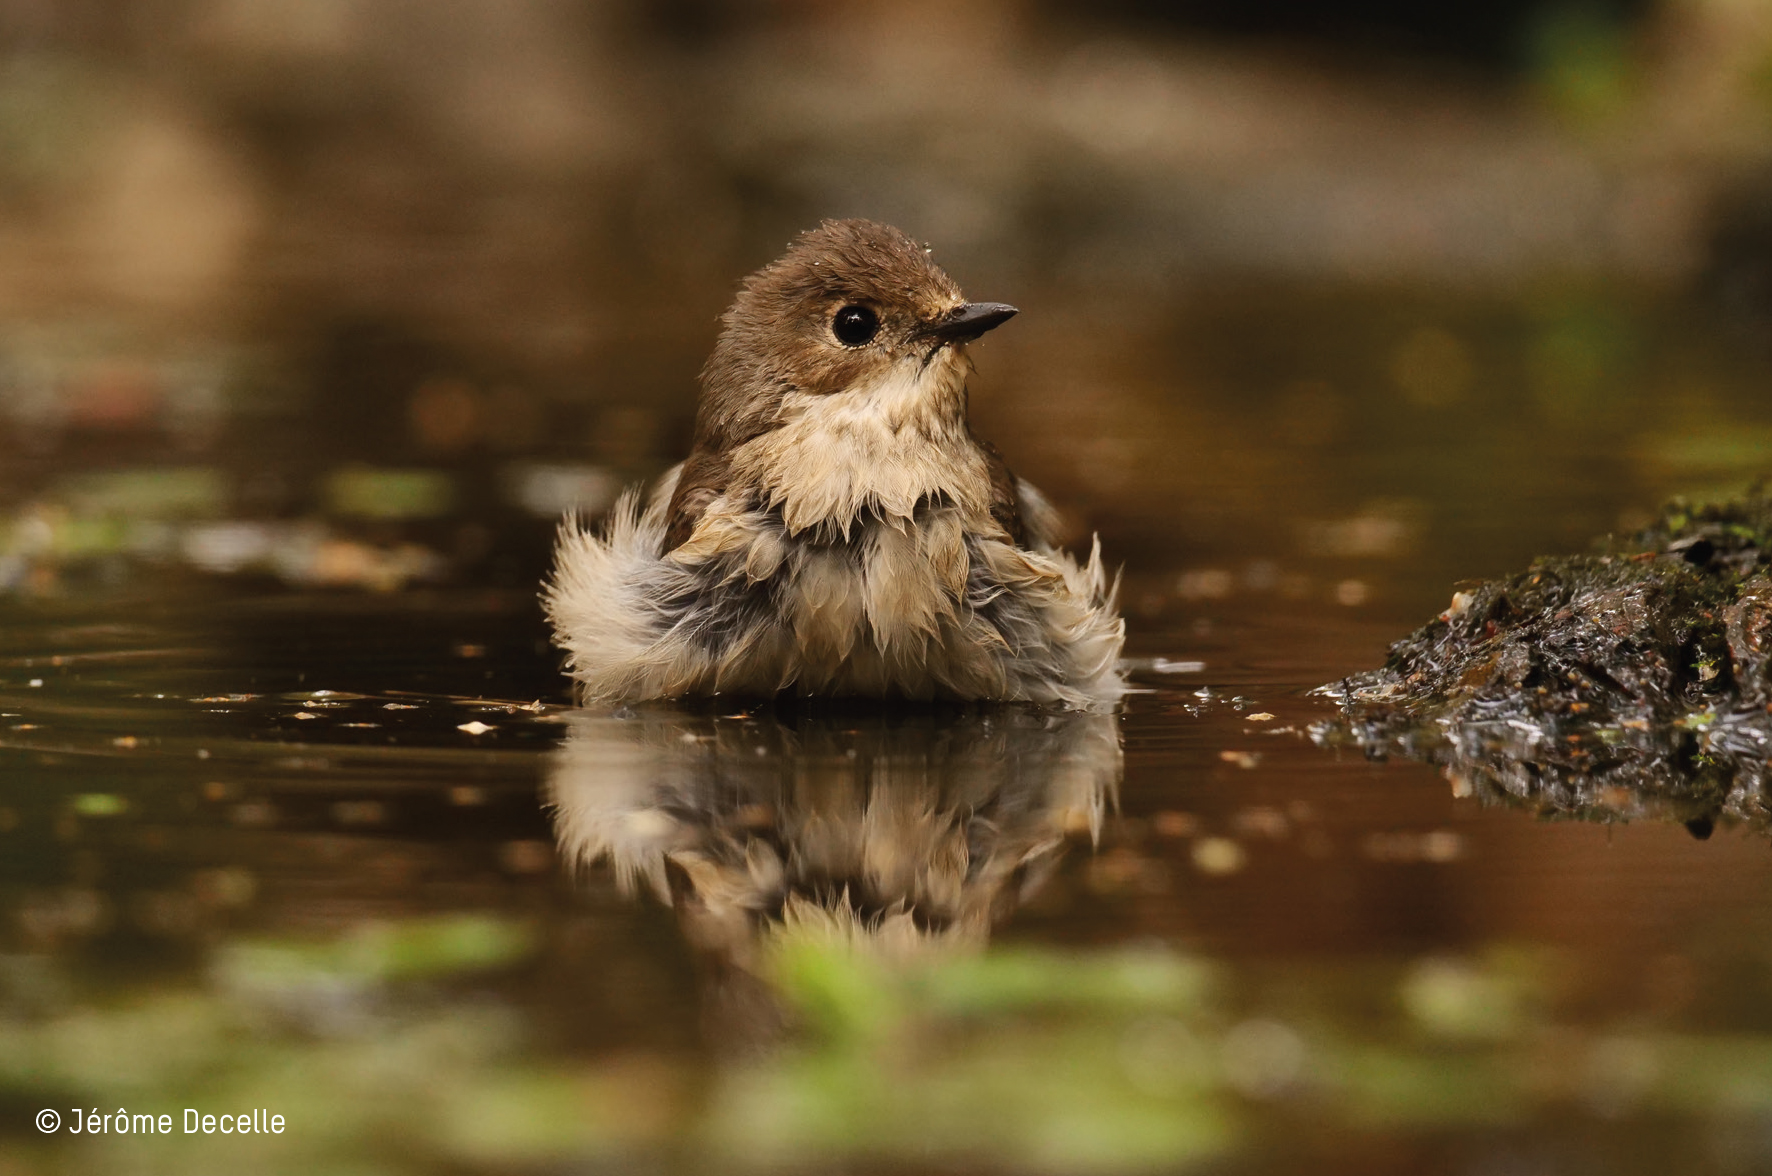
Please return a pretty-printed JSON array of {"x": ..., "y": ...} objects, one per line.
[{"x": 783, "y": 332}]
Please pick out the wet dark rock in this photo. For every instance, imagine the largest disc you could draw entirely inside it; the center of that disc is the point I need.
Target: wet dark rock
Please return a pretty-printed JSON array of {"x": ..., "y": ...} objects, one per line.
[{"x": 1633, "y": 683}]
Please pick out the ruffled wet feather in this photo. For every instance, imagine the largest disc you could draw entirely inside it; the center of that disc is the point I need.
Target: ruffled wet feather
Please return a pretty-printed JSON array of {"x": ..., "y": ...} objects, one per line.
[{"x": 934, "y": 610}]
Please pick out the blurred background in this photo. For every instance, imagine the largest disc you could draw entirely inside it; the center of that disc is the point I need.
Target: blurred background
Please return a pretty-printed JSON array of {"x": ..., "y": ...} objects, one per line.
[
  {"x": 315, "y": 315},
  {"x": 366, "y": 292}
]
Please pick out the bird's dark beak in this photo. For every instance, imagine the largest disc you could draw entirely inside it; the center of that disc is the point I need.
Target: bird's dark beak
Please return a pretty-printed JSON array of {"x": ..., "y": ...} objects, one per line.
[{"x": 968, "y": 321}]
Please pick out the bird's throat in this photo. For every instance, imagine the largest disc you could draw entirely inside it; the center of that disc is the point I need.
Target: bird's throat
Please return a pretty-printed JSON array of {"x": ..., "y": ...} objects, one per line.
[{"x": 875, "y": 450}]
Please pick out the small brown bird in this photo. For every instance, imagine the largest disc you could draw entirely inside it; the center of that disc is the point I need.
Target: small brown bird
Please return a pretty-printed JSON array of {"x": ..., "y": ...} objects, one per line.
[{"x": 837, "y": 529}]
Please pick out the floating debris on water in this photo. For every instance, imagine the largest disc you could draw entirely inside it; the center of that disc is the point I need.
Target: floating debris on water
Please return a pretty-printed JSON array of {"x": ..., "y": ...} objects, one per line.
[{"x": 1161, "y": 665}]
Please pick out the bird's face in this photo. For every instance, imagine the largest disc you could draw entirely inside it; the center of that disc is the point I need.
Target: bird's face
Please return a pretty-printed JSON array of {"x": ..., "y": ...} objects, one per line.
[{"x": 850, "y": 305}]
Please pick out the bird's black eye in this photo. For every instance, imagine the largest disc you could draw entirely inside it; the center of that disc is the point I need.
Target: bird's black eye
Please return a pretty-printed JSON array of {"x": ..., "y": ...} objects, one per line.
[{"x": 855, "y": 325}]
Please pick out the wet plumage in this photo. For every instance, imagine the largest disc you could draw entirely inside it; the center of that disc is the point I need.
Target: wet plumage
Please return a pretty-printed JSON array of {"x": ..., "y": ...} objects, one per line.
[{"x": 837, "y": 529}]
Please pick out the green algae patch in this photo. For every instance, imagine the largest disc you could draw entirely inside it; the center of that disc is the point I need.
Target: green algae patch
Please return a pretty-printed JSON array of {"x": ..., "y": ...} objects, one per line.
[
  {"x": 379, "y": 952},
  {"x": 1031, "y": 1058}
]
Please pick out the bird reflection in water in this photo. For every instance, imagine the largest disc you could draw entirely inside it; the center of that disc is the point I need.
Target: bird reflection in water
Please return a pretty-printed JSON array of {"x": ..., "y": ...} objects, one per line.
[{"x": 897, "y": 831}]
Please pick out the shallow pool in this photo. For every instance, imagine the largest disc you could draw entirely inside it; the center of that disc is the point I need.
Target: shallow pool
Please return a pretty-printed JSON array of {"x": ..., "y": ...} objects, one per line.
[{"x": 320, "y": 847}]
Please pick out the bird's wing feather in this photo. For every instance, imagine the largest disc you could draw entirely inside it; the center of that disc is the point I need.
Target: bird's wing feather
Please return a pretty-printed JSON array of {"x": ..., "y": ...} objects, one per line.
[
  {"x": 702, "y": 480},
  {"x": 1005, "y": 494}
]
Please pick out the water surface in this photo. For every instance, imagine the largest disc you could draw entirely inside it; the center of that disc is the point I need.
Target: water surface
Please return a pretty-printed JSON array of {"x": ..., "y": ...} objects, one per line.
[{"x": 297, "y": 815}]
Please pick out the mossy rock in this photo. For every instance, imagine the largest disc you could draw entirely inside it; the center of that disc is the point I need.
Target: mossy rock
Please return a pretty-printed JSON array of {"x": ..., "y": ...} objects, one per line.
[{"x": 1631, "y": 682}]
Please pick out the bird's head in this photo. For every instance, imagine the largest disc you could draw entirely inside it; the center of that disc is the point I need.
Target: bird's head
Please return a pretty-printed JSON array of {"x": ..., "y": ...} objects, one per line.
[{"x": 851, "y": 304}]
